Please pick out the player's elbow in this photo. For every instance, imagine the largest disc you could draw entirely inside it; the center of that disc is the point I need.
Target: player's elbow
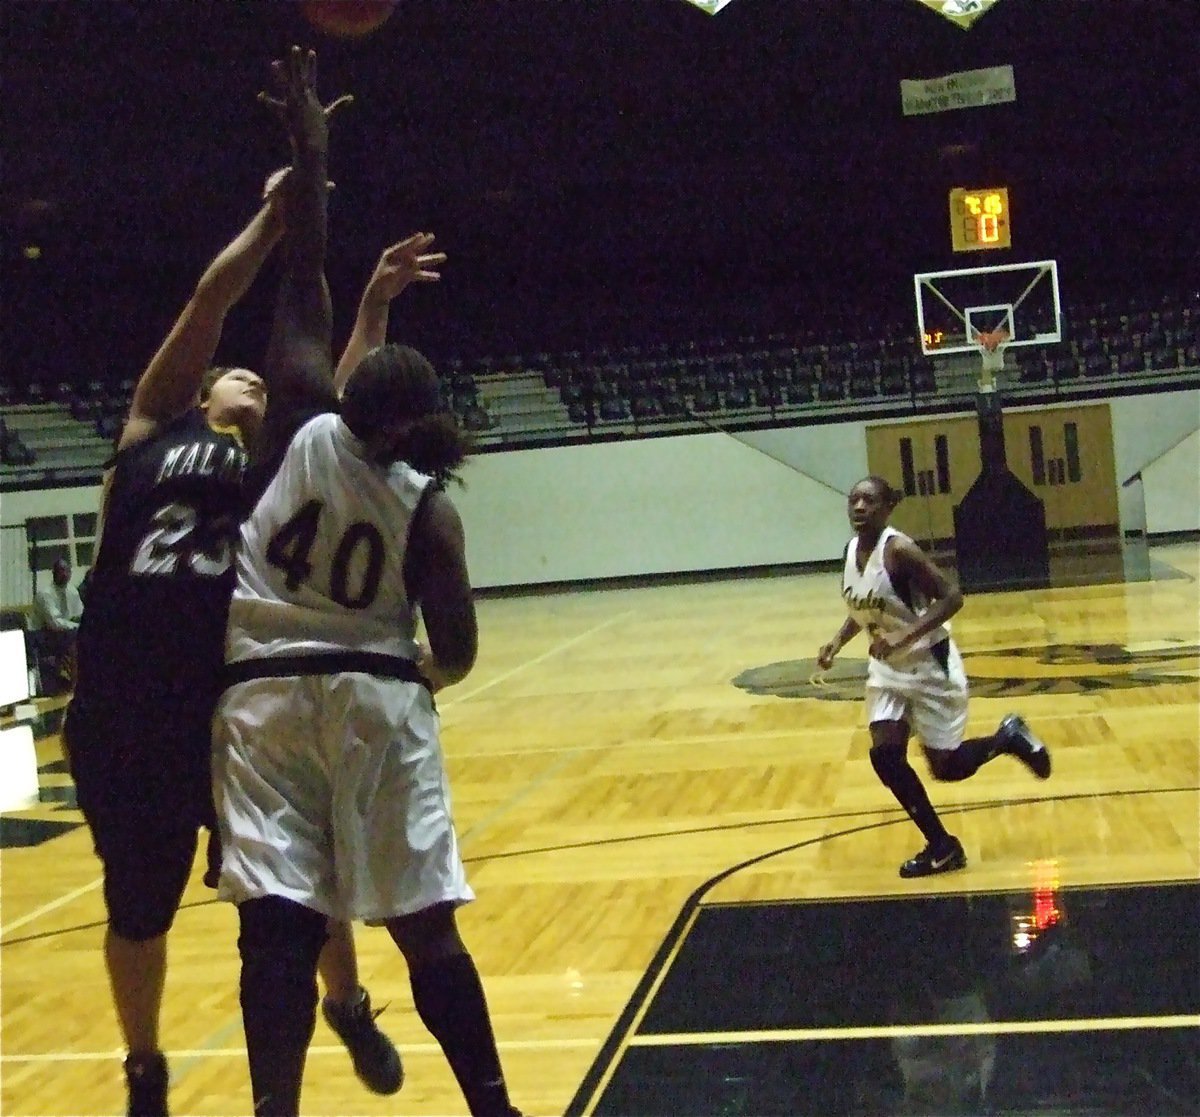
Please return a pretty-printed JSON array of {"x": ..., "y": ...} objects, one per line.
[{"x": 455, "y": 663}]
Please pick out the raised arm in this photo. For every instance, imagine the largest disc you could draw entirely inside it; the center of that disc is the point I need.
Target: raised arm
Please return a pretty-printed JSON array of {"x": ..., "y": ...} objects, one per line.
[
  {"x": 170, "y": 382},
  {"x": 400, "y": 264},
  {"x": 298, "y": 366}
]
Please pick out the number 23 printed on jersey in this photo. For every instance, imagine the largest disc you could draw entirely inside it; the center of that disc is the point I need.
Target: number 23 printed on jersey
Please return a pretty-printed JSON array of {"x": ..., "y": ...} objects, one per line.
[{"x": 178, "y": 535}]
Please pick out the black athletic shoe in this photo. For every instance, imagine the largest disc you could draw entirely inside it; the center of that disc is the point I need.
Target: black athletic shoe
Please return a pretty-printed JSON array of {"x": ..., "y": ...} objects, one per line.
[
  {"x": 146, "y": 1078},
  {"x": 1019, "y": 741},
  {"x": 944, "y": 859},
  {"x": 375, "y": 1058}
]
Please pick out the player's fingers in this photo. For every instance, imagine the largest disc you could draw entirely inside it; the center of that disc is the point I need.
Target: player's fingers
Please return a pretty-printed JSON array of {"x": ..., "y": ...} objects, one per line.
[
  {"x": 276, "y": 106},
  {"x": 333, "y": 106}
]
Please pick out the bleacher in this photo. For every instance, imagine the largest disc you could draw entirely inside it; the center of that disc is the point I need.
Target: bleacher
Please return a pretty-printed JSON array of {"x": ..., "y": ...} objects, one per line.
[
  {"x": 60, "y": 436},
  {"x": 783, "y": 377},
  {"x": 662, "y": 388}
]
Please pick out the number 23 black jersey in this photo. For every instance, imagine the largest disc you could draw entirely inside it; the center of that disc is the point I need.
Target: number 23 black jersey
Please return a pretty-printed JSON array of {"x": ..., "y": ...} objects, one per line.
[{"x": 164, "y": 572}]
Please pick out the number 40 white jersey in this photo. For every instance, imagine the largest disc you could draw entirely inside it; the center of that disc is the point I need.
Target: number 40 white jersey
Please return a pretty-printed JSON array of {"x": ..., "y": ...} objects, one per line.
[{"x": 320, "y": 566}]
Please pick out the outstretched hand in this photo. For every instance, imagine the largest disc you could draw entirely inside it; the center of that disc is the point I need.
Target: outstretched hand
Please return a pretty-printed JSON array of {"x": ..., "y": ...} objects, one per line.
[
  {"x": 297, "y": 105},
  {"x": 403, "y": 263}
]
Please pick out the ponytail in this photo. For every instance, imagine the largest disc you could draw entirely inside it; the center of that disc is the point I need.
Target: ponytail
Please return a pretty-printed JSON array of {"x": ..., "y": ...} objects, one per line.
[{"x": 435, "y": 444}]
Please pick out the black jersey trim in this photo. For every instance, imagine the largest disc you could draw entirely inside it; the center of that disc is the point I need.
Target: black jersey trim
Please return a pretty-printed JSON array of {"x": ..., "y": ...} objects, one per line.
[
  {"x": 324, "y": 663},
  {"x": 941, "y": 652}
]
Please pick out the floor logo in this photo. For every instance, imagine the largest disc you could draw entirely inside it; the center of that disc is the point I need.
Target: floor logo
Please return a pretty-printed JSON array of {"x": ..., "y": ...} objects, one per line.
[{"x": 1002, "y": 673}]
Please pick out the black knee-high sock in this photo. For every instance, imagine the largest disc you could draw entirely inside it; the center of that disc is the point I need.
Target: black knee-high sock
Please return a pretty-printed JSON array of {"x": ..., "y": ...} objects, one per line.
[
  {"x": 449, "y": 999},
  {"x": 279, "y": 943},
  {"x": 898, "y": 776},
  {"x": 965, "y": 760}
]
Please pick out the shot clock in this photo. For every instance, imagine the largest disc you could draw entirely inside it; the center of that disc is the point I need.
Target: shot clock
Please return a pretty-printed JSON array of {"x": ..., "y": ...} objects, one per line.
[{"x": 979, "y": 219}]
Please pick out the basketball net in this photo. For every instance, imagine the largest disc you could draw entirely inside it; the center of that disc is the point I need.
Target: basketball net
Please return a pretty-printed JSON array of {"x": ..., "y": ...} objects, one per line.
[{"x": 991, "y": 352}]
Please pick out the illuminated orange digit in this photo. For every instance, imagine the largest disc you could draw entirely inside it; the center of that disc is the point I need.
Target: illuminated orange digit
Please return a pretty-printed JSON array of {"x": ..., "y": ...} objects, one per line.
[{"x": 988, "y": 227}]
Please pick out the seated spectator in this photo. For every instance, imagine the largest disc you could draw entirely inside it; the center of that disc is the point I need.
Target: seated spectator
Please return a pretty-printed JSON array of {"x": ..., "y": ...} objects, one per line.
[
  {"x": 56, "y": 613},
  {"x": 12, "y": 450}
]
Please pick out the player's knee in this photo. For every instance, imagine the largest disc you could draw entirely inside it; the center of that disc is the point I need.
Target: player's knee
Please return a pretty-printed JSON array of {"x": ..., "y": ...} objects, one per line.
[
  {"x": 279, "y": 942},
  {"x": 272, "y": 928},
  {"x": 140, "y": 921},
  {"x": 889, "y": 761},
  {"x": 428, "y": 935},
  {"x": 944, "y": 765},
  {"x": 142, "y": 906}
]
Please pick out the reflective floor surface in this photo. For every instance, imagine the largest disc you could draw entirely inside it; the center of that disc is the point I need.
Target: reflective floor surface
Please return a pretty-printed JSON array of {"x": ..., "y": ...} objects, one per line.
[{"x": 1047, "y": 1001}]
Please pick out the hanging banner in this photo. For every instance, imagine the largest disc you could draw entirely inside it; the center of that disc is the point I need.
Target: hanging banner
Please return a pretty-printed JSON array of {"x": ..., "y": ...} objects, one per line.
[
  {"x": 962, "y": 12},
  {"x": 710, "y": 6},
  {"x": 968, "y": 89}
]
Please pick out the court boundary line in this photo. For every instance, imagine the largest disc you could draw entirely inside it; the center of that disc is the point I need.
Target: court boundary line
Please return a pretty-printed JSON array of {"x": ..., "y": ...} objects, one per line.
[{"x": 892, "y": 1031}]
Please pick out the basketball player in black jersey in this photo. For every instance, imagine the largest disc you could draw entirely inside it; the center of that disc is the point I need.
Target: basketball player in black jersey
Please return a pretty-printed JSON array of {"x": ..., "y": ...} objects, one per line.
[
  {"x": 915, "y": 678},
  {"x": 137, "y": 732}
]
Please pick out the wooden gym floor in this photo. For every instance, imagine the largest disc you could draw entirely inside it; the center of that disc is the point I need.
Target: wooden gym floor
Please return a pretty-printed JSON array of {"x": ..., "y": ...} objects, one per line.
[{"x": 686, "y": 869}]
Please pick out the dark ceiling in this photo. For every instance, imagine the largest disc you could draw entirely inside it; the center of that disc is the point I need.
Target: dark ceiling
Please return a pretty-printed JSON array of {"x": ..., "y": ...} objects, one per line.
[{"x": 598, "y": 169}]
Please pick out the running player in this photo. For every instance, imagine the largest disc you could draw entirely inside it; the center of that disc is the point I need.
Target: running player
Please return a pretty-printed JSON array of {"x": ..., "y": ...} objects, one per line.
[{"x": 915, "y": 678}]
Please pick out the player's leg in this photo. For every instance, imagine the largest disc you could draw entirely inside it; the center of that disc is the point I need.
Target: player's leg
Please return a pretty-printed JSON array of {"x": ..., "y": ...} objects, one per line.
[
  {"x": 347, "y": 1009},
  {"x": 450, "y": 1000},
  {"x": 146, "y": 844},
  {"x": 144, "y": 883},
  {"x": 1012, "y": 738},
  {"x": 271, "y": 785},
  {"x": 940, "y": 716},
  {"x": 279, "y": 942},
  {"x": 399, "y": 863},
  {"x": 888, "y": 714}
]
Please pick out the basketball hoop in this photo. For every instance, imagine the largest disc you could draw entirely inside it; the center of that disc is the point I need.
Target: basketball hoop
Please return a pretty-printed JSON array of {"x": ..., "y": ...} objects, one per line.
[{"x": 991, "y": 352}]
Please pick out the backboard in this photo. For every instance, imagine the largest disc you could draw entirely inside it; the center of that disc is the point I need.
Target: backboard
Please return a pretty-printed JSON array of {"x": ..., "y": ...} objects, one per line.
[{"x": 954, "y": 307}]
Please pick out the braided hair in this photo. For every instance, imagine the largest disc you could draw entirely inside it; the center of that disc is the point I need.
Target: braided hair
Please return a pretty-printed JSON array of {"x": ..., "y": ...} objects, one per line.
[{"x": 394, "y": 404}]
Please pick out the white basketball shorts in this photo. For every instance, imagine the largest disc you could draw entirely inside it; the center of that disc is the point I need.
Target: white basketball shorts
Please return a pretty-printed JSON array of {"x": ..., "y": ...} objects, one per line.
[
  {"x": 331, "y": 791},
  {"x": 930, "y": 698}
]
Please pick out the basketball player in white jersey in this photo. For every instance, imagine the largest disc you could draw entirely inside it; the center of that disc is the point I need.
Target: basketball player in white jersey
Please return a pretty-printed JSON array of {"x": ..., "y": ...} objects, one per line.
[
  {"x": 915, "y": 678},
  {"x": 327, "y": 769}
]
